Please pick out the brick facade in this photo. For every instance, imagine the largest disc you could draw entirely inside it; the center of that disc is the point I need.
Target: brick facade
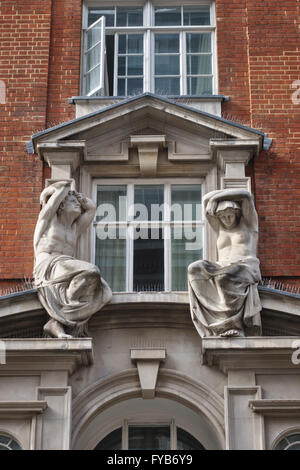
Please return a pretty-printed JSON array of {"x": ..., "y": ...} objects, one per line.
[{"x": 258, "y": 63}]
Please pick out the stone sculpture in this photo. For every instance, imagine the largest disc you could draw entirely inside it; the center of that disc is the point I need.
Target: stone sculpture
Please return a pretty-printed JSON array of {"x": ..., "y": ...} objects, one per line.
[
  {"x": 223, "y": 295},
  {"x": 70, "y": 290}
]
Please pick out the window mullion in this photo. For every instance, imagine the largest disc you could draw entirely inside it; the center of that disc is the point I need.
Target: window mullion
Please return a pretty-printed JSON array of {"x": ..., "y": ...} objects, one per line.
[
  {"x": 130, "y": 241},
  {"x": 116, "y": 58},
  {"x": 167, "y": 238},
  {"x": 183, "y": 63}
]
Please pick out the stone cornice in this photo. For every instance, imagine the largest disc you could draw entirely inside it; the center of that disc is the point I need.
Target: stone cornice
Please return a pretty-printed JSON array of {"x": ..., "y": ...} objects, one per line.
[
  {"x": 45, "y": 354},
  {"x": 260, "y": 353}
]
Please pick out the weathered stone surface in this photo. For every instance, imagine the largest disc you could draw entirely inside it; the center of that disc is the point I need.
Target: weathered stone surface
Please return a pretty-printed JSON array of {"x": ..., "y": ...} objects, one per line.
[
  {"x": 70, "y": 290},
  {"x": 223, "y": 295}
]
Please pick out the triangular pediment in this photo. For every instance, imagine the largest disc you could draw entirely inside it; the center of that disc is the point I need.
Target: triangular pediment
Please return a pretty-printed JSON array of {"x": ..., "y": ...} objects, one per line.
[{"x": 147, "y": 111}]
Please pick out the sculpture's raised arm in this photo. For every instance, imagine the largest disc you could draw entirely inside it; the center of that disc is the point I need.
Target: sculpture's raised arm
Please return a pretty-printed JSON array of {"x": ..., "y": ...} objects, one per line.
[
  {"x": 50, "y": 199},
  {"x": 89, "y": 209},
  {"x": 242, "y": 196}
]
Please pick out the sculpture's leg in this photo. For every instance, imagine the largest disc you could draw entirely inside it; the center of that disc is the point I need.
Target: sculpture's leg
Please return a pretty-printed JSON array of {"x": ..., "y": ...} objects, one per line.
[{"x": 55, "y": 329}]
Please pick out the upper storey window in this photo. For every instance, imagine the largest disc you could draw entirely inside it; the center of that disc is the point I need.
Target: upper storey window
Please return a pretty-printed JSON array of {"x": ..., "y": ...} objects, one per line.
[{"x": 168, "y": 50}]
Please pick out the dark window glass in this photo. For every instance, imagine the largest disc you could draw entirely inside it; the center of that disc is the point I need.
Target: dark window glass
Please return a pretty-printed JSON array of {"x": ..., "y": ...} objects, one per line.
[
  {"x": 111, "y": 442},
  {"x": 148, "y": 261},
  {"x": 149, "y": 438},
  {"x": 96, "y": 13},
  {"x": 185, "y": 441}
]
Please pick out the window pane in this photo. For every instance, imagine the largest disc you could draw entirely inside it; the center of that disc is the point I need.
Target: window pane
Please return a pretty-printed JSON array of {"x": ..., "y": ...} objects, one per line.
[
  {"x": 111, "y": 442},
  {"x": 166, "y": 43},
  {"x": 134, "y": 86},
  {"x": 111, "y": 256},
  {"x": 93, "y": 57},
  {"x": 148, "y": 262},
  {"x": 196, "y": 15},
  {"x": 167, "y": 16},
  {"x": 122, "y": 65},
  {"x": 151, "y": 197},
  {"x": 93, "y": 36},
  {"x": 167, "y": 65},
  {"x": 187, "y": 246},
  {"x": 198, "y": 42},
  {"x": 167, "y": 86},
  {"x": 96, "y": 13},
  {"x": 131, "y": 44},
  {"x": 186, "y": 202},
  {"x": 135, "y": 65},
  {"x": 121, "y": 87},
  {"x": 199, "y": 85},
  {"x": 129, "y": 16},
  {"x": 185, "y": 441},
  {"x": 199, "y": 64},
  {"x": 92, "y": 79},
  {"x": 149, "y": 438},
  {"x": 115, "y": 196}
]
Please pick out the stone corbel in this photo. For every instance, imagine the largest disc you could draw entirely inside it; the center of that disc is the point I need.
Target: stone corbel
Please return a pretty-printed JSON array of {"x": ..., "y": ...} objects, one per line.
[
  {"x": 148, "y": 361},
  {"x": 62, "y": 157},
  {"x": 148, "y": 147},
  {"x": 232, "y": 157}
]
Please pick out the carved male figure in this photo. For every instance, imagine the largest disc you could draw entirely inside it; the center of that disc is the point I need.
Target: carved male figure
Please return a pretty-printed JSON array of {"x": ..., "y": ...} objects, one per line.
[
  {"x": 223, "y": 295},
  {"x": 69, "y": 289}
]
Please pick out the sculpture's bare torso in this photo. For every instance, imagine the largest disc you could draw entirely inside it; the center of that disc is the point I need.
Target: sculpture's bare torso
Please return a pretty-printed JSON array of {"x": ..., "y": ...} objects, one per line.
[{"x": 234, "y": 245}]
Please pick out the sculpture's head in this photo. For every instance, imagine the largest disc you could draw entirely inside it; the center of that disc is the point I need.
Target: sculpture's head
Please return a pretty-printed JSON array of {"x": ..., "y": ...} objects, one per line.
[
  {"x": 70, "y": 205},
  {"x": 228, "y": 213}
]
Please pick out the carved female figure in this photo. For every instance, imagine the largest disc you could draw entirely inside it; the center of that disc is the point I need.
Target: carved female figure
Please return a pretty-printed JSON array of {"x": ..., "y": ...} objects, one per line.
[
  {"x": 223, "y": 295},
  {"x": 70, "y": 290}
]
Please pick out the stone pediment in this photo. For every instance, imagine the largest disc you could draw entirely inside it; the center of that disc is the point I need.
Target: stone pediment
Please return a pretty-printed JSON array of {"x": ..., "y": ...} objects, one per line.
[{"x": 116, "y": 122}]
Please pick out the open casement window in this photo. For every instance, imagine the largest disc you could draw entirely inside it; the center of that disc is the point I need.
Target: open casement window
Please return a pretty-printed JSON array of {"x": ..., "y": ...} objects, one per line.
[
  {"x": 94, "y": 58},
  {"x": 167, "y": 50},
  {"x": 147, "y": 233}
]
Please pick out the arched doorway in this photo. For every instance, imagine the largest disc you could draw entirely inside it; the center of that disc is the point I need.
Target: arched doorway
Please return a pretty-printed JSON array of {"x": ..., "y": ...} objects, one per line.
[{"x": 156, "y": 424}]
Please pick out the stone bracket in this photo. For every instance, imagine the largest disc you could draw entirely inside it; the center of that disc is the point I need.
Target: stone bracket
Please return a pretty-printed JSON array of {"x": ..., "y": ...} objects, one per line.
[
  {"x": 148, "y": 361},
  {"x": 148, "y": 146}
]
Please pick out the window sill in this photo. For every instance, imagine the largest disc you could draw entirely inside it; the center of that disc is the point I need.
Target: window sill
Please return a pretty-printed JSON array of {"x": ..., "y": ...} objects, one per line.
[
  {"x": 150, "y": 297},
  {"x": 207, "y": 103}
]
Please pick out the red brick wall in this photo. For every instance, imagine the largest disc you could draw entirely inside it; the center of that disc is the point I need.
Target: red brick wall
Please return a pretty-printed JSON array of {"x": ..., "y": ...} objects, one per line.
[
  {"x": 258, "y": 62},
  {"x": 24, "y": 57},
  {"x": 40, "y": 66},
  {"x": 258, "y": 59}
]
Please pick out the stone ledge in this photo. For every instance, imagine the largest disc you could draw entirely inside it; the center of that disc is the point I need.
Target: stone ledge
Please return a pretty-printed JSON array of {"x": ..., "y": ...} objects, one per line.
[
  {"x": 250, "y": 352},
  {"x": 45, "y": 354}
]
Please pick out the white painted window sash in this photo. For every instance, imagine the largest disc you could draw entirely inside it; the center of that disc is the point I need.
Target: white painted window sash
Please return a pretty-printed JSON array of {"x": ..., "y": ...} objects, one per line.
[
  {"x": 149, "y": 53},
  {"x": 166, "y": 224}
]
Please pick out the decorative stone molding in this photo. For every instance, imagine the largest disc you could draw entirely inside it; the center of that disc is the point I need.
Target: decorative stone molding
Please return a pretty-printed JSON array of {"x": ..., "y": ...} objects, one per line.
[
  {"x": 246, "y": 433},
  {"x": 22, "y": 409},
  {"x": 47, "y": 354},
  {"x": 232, "y": 156},
  {"x": 148, "y": 361},
  {"x": 63, "y": 157},
  {"x": 148, "y": 146},
  {"x": 260, "y": 353},
  {"x": 125, "y": 385},
  {"x": 276, "y": 407}
]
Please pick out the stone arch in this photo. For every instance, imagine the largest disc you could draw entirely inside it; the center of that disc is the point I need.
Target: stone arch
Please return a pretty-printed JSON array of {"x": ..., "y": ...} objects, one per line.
[{"x": 171, "y": 384}]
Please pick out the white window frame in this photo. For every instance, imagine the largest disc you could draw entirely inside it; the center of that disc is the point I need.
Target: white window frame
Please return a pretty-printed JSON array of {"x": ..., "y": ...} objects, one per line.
[
  {"x": 149, "y": 30},
  {"x": 166, "y": 223}
]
